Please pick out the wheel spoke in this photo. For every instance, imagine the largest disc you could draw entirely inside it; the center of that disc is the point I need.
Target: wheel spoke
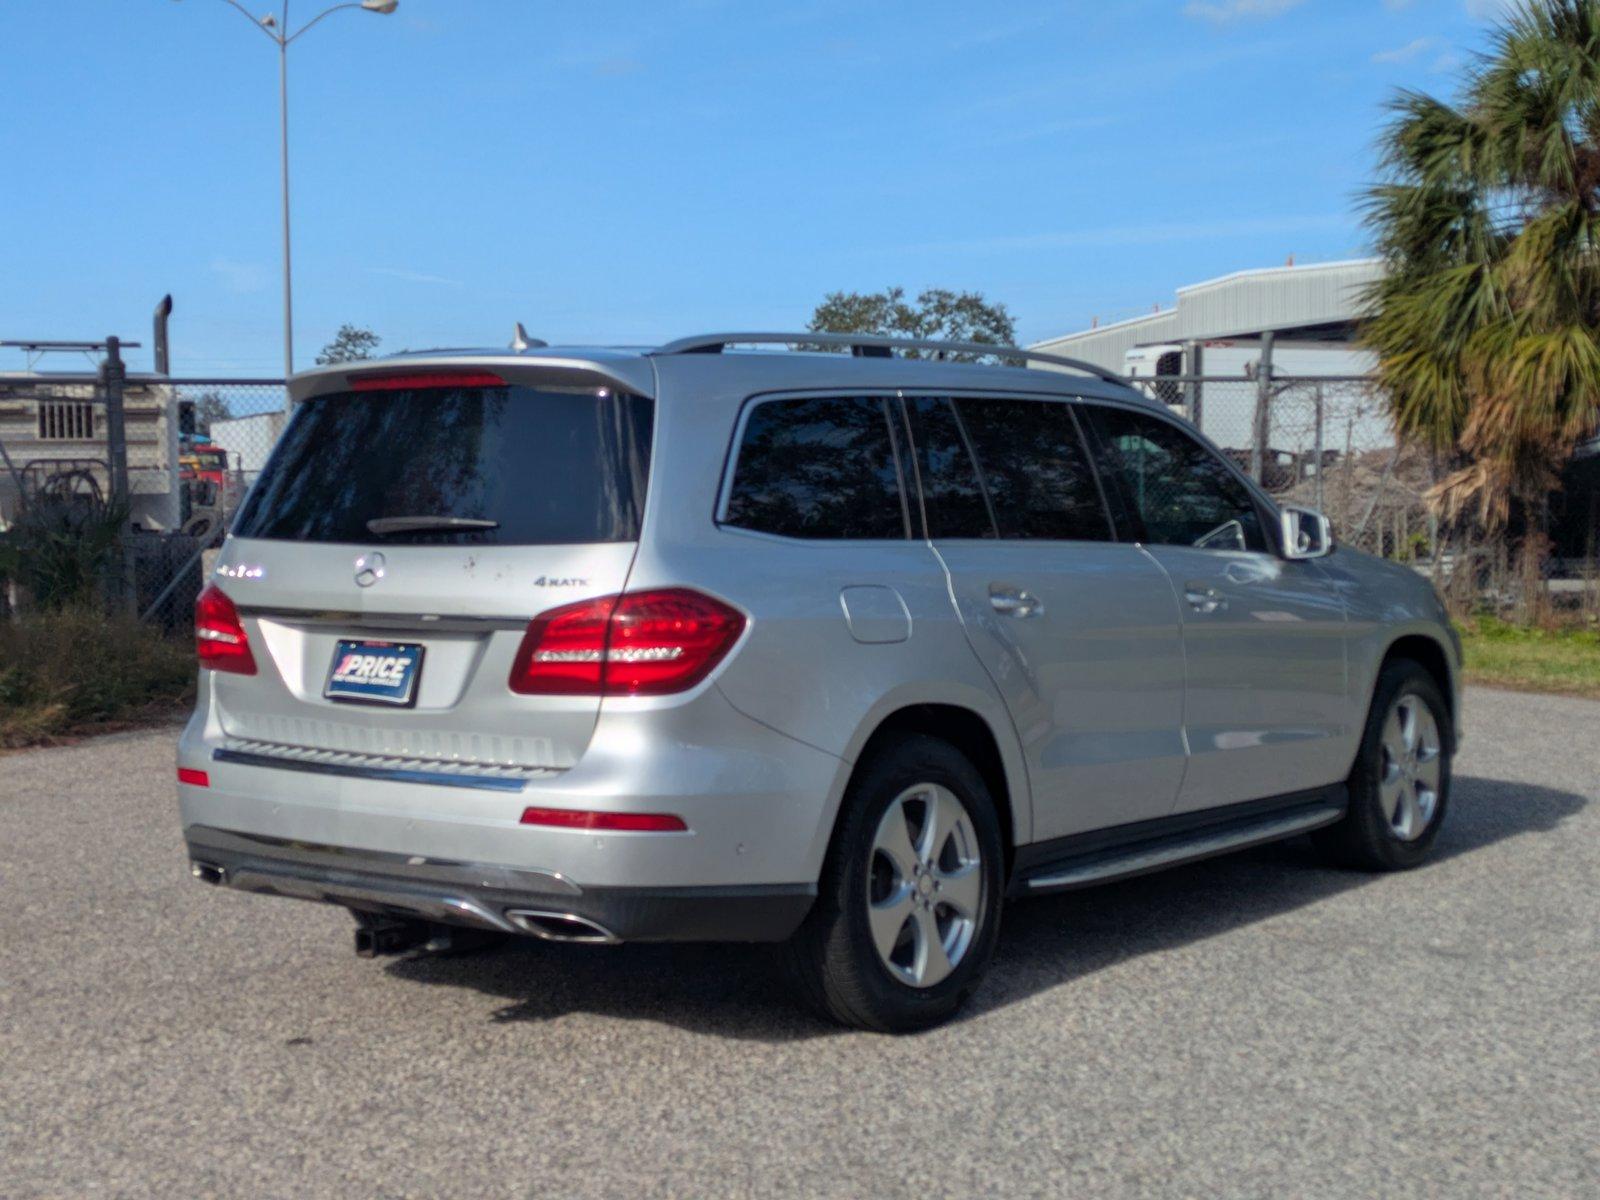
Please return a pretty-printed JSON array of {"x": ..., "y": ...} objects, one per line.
[
  {"x": 961, "y": 888},
  {"x": 943, "y": 815},
  {"x": 894, "y": 840},
  {"x": 888, "y": 918},
  {"x": 932, "y": 964},
  {"x": 1407, "y": 712},
  {"x": 1390, "y": 789},
  {"x": 1394, "y": 740},
  {"x": 1409, "y": 821},
  {"x": 1430, "y": 772}
]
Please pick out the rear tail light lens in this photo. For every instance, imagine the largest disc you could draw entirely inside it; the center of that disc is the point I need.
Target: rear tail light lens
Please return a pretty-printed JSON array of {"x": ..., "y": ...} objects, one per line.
[
  {"x": 637, "y": 644},
  {"x": 193, "y": 777},
  {"x": 219, "y": 638},
  {"x": 574, "y": 818}
]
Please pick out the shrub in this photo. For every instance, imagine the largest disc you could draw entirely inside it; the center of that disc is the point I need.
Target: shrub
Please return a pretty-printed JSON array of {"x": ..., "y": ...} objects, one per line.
[{"x": 61, "y": 547}]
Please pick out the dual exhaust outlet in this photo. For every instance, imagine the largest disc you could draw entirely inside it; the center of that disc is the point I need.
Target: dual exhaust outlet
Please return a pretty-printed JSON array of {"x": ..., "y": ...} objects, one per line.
[{"x": 377, "y": 936}]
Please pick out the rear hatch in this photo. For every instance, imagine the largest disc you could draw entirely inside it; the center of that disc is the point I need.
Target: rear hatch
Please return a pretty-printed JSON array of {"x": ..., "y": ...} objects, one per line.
[{"x": 386, "y": 564}]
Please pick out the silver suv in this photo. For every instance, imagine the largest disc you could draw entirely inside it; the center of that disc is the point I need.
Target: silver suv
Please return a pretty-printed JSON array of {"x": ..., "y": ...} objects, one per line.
[{"x": 726, "y": 641}]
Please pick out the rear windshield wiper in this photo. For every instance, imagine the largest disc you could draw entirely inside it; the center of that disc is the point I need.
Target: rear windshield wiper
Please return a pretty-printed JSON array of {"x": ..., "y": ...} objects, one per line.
[{"x": 383, "y": 526}]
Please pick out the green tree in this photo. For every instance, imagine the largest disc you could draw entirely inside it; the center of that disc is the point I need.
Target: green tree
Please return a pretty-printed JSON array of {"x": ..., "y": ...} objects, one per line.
[
  {"x": 938, "y": 313},
  {"x": 209, "y": 407},
  {"x": 351, "y": 344},
  {"x": 1488, "y": 215}
]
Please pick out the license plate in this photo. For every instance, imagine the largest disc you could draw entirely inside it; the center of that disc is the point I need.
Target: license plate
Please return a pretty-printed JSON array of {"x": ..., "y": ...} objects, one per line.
[{"x": 374, "y": 673}]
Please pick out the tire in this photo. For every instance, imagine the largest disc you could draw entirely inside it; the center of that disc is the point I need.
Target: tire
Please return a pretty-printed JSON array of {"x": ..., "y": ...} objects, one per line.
[
  {"x": 1392, "y": 824},
  {"x": 947, "y": 895}
]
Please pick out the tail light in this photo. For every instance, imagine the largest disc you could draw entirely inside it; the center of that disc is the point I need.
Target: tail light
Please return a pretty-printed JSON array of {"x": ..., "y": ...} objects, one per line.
[
  {"x": 636, "y": 644},
  {"x": 626, "y": 822},
  {"x": 219, "y": 638}
]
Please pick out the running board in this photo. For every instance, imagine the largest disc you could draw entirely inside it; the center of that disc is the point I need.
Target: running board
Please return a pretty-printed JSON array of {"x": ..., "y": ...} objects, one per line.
[{"x": 1161, "y": 848}]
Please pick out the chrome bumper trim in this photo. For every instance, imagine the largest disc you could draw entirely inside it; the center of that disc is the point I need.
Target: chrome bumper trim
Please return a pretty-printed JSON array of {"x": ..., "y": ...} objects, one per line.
[
  {"x": 261, "y": 854},
  {"x": 351, "y": 770}
]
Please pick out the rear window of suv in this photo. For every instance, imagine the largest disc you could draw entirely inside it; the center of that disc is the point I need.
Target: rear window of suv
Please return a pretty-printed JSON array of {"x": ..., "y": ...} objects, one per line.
[{"x": 545, "y": 466}]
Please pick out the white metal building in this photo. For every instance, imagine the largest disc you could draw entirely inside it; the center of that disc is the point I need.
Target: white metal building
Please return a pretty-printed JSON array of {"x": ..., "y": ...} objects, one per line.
[
  {"x": 1314, "y": 306},
  {"x": 1219, "y": 329}
]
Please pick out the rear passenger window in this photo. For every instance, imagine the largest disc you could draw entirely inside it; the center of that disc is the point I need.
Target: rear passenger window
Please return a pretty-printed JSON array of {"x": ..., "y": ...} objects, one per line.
[
  {"x": 1035, "y": 470},
  {"x": 1182, "y": 493},
  {"x": 818, "y": 468},
  {"x": 952, "y": 496}
]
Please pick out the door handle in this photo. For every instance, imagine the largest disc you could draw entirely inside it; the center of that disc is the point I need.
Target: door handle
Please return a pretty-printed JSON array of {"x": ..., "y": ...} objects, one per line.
[
  {"x": 1013, "y": 602},
  {"x": 1204, "y": 599}
]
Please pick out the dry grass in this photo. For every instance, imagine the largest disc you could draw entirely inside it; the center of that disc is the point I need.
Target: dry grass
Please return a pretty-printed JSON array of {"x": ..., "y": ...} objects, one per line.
[{"x": 69, "y": 673}]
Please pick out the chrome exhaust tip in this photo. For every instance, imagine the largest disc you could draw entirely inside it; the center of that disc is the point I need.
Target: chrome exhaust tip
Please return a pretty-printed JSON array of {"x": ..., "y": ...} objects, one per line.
[
  {"x": 208, "y": 872},
  {"x": 561, "y": 927}
]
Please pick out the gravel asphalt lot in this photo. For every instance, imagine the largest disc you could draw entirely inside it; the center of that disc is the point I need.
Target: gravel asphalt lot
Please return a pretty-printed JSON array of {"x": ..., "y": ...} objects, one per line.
[{"x": 1251, "y": 1026}]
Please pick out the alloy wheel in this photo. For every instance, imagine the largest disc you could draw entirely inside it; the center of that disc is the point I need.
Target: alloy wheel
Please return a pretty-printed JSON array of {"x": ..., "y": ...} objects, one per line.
[
  {"x": 1410, "y": 774},
  {"x": 925, "y": 891}
]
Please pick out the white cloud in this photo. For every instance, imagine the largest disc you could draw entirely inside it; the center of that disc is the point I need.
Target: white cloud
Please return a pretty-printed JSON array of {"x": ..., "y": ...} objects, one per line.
[
  {"x": 1222, "y": 12},
  {"x": 1490, "y": 10},
  {"x": 1407, "y": 52},
  {"x": 413, "y": 276},
  {"x": 239, "y": 276}
]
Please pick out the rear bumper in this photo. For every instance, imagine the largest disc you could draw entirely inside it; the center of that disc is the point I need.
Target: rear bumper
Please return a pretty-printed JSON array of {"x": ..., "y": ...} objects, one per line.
[{"x": 487, "y": 896}]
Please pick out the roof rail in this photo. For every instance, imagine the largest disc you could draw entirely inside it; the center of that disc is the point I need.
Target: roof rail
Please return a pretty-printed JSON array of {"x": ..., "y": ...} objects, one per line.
[{"x": 871, "y": 345}]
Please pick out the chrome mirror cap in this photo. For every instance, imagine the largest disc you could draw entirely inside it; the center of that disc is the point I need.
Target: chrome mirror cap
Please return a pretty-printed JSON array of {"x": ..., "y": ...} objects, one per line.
[{"x": 1304, "y": 532}]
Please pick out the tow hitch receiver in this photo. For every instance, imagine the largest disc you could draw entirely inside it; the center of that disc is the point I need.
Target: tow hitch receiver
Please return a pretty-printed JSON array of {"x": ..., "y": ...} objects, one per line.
[{"x": 377, "y": 936}]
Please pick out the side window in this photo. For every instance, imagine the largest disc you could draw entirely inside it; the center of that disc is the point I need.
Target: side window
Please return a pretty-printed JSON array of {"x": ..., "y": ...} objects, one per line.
[
  {"x": 1182, "y": 493},
  {"x": 819, "y": 468},
  {"x": 1035, "y": 470},
  {"x": 952, "y": 496}
]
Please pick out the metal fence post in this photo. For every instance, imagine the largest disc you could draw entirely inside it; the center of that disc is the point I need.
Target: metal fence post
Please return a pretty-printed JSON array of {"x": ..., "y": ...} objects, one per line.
[
  {"x": 1263, "y": 417},
  {"x": 113, "y": 375},
  {"x": 1192, "y": 400},
  {"x": 1317, "y": 445}
]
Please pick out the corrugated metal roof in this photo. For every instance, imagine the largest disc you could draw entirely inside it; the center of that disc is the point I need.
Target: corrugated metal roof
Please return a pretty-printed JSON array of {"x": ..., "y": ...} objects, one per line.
[{"x": 1238, "y": 305}]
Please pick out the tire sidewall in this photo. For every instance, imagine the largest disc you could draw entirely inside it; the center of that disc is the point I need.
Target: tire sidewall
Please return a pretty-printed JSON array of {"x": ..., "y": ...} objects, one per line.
[{"x": 917, "y": 760}]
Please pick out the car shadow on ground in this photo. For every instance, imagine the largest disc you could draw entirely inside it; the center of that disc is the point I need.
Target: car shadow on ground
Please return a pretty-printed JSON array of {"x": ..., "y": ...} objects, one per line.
[{"x": 739, "y": 992}]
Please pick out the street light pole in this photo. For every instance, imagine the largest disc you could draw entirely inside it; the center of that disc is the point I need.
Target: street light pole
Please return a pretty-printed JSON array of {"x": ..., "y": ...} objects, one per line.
[
  {"x": 283, "y": 168},
  {"x": 277, "y": 28}
]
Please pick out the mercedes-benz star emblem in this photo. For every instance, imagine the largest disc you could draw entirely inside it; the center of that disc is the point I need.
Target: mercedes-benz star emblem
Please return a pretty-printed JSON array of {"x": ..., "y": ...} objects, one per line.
[{"x": 369, "y": 568}]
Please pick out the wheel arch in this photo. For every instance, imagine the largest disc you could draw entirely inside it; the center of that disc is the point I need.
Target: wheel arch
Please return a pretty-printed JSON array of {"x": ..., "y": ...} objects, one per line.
[
  {"x": 1429, "y": 654},
  {"x": 980, "y": 731}
]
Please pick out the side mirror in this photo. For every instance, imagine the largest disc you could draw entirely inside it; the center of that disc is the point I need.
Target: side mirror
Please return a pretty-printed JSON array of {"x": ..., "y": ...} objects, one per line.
[{"x": 1306, "y": 532}]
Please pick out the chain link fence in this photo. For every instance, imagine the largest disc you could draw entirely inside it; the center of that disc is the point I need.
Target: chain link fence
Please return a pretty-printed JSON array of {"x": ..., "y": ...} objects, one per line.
[
  {"x": 113, "y": 487},
  {"x": 193, "y": 446},
  {"x": 1322, "y": 441}
]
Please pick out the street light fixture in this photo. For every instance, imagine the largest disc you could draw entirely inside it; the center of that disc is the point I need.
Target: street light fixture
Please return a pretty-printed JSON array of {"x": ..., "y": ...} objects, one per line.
[{"x": 277, "y": 28}]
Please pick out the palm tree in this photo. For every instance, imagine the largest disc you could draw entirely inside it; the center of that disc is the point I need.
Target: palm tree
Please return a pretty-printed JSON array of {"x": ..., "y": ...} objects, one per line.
[{"x": 1485, "y": 325}]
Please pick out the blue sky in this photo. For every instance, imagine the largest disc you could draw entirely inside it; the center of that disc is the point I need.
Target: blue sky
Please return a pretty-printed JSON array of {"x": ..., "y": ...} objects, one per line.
[{"x": 626, "y": 171}]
